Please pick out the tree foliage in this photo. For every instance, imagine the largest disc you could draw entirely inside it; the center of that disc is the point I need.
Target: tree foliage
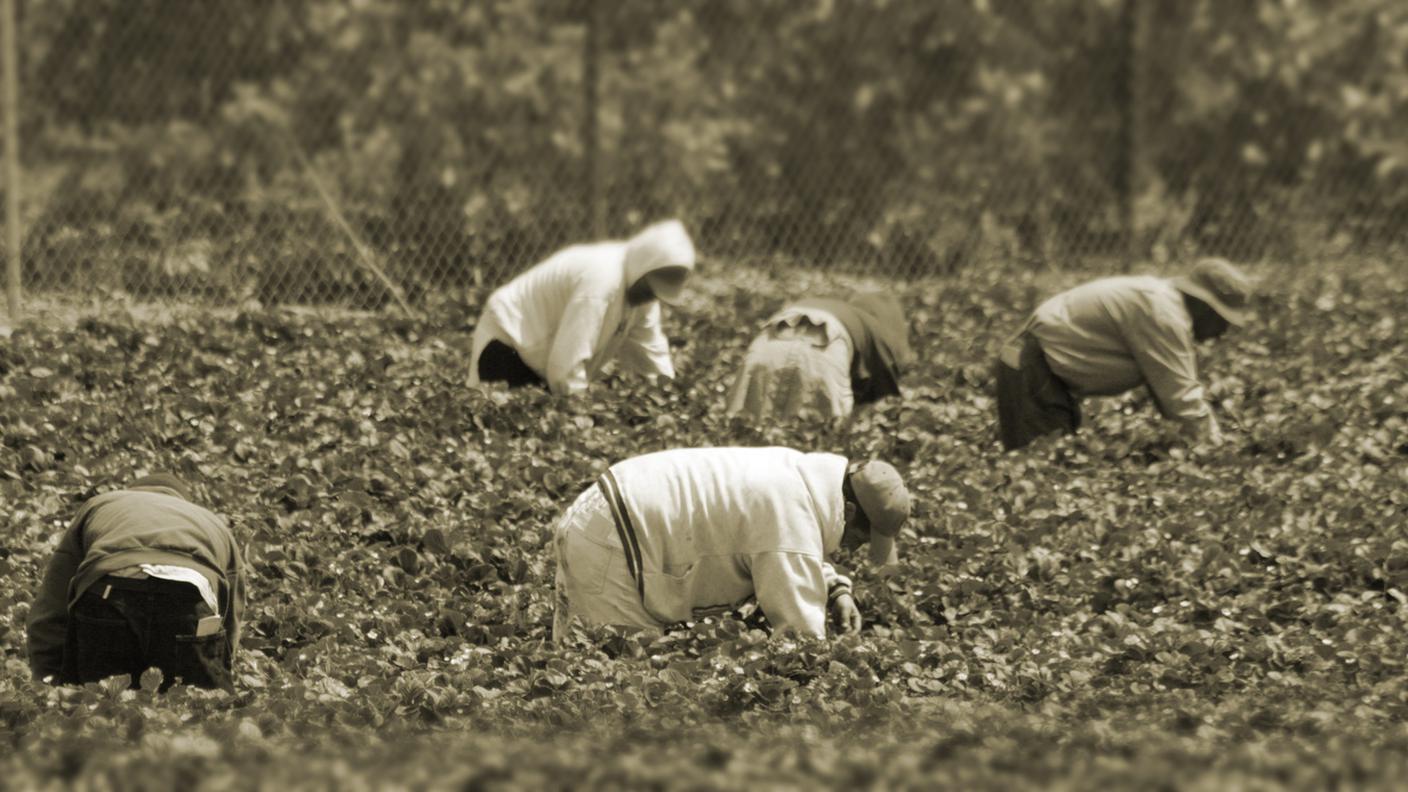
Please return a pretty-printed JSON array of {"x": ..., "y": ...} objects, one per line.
[{"x": 921, "y": 137}]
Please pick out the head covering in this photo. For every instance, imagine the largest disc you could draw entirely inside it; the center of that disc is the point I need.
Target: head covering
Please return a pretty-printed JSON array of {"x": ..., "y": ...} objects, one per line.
[
  {"x": 178, "y": 487},
  {"x": 1224, "y": 287},
  {"x": 881, "y": 494},
  {"x": 879, "y": 332},
  {"x": 664, "y": 244}
]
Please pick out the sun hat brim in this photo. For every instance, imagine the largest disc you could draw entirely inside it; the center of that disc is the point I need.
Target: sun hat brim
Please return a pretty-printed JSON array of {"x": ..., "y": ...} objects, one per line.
[
  {"x": 1186, "y": 285},
  {"x": 883, "y": 549}
]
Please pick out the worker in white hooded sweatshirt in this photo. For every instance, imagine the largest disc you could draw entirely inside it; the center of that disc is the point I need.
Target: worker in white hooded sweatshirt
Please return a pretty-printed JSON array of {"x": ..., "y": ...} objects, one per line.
[
  {"x": 675, "y": 535},
  {"x": 564, "y": 319}
]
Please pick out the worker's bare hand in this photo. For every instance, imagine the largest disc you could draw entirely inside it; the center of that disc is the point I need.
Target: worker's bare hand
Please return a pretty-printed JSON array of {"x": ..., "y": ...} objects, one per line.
[{"x": 847, "y": 614}]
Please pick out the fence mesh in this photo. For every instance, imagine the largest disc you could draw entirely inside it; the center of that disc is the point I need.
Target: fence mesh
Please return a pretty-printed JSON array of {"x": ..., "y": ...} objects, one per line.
[{"x": 354, "y": 150}]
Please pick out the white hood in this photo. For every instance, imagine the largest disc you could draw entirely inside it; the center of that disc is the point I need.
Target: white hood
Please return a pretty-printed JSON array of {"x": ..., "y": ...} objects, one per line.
[{"x": 664, "y": 244}]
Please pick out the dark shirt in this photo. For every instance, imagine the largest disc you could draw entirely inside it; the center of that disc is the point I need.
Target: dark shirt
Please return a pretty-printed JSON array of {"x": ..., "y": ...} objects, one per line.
[{"x": 126, "y": 528}]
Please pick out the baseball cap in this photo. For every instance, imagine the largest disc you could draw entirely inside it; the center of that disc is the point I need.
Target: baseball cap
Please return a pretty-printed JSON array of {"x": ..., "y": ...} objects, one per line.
[
  {"x": 1220, "y": 284},
  {"x": 882, "y": 496}
]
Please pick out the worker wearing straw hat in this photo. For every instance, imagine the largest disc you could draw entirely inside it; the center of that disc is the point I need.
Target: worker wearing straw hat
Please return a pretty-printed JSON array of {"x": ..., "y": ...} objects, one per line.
[{"x": 1112, "y": 335}]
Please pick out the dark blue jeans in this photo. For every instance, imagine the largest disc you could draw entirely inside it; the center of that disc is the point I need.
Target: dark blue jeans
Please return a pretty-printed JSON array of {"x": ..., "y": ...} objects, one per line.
[
  {"x": 1031, "y": 400},
  {"x": 125, "y": 626},
  {"x": 499, "y": 362}
]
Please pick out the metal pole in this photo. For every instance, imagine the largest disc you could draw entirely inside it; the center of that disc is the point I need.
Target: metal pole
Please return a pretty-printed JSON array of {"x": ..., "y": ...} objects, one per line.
[
  {"x": 12, "y": 156},
  {"x": 1129, "y": 90},
  {"x": 591, "y": 136}
]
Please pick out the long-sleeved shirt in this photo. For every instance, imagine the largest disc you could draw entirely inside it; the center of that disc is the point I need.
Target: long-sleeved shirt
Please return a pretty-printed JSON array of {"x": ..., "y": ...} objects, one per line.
[
  {"x": 567, "y": 317},
  {"x": 802, "y": 359},
  {"x": 129, "y": 528},
  {"x": 1114, "y": 334},
  {"x": 879, "y": 332},
  {"x": 714, "y": 526}
]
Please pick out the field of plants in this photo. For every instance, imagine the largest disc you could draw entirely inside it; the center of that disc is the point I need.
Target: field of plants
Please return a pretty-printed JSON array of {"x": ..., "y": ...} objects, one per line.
[{"x": 1107, "y": 610}]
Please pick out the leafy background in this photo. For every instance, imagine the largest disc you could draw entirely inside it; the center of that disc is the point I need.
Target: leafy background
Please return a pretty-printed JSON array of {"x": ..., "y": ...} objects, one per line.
[
  {"x": 167, "y": 145},
  {"x": 1111, "y": 609}
]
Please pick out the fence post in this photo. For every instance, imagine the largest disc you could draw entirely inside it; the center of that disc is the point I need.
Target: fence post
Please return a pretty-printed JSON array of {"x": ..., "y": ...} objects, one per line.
[
  {"x": 591, "y": 137},
  {"x": 12, "y": 157},
  {"x": 1129, "y": 91}
]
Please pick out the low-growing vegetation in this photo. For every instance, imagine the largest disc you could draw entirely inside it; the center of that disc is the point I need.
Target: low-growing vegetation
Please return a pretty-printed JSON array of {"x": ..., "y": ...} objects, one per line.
[{"x": 1111, "y": 609}]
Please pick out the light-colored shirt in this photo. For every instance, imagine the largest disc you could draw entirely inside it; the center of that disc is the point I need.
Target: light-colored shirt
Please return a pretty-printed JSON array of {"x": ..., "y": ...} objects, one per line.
[
  {"x": 567, "y": 317},
  {"x": 182, "y": 574},
  {"x": 801, "y": 359},
  {"x": 717, "y": 525},
  {"x": 835, "y": 332},
  {"x": 1114, "y": 334}
]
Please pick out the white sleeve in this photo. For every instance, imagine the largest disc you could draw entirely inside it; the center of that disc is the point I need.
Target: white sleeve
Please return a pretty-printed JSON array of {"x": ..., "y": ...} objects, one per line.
[
  {"x": 574, "y": 343},
  {"x": 646, "y": 350},
  {"x": 1163, "y": 350},
  {"x": 836, "y": 583},
  {"x": 791, "y": 590}
]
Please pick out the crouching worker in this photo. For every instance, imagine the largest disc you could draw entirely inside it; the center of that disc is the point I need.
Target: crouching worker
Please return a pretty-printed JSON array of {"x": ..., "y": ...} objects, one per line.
[
  {"x": 562, "y": 321},
  {"x": 1113, "y": 335},
  {"x": 143, "y": 577},
  {"x": 827, "y": 355},
  {"x": 676, "y": 535}
]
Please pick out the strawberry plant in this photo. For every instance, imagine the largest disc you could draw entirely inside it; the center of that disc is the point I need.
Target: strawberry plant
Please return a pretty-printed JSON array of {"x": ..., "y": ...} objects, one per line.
[{"x": 1111, "y": 608}]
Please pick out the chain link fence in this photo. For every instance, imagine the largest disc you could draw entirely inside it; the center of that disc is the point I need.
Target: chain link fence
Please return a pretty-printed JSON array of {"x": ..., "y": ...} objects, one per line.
[{"x": 369, "y": 151}]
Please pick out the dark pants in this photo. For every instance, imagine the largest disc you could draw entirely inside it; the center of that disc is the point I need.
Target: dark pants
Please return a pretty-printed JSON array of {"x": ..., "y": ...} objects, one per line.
[
  {"x": 500, "y": 362},
  {"x": 142, "y": 623},
  {"x": 1031, "y": 400}
]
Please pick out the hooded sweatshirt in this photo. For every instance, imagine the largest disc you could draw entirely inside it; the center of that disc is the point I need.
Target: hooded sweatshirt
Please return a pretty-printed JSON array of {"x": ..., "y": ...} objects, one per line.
[
  {"x": 713, "y": 526},
  {"x": 127, "y": 528},
  {"x": 567, "y": 317}
]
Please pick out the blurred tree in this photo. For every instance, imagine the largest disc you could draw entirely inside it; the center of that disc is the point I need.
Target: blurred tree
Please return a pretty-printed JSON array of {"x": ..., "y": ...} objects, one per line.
[
  {"x": 915, "y": 136},
  {"x": 135, "y": 61}
]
